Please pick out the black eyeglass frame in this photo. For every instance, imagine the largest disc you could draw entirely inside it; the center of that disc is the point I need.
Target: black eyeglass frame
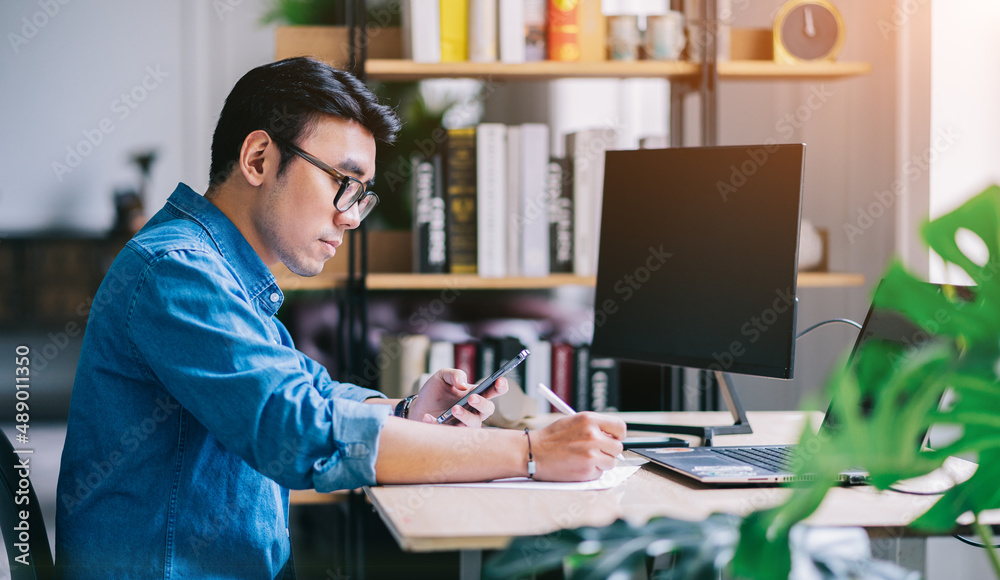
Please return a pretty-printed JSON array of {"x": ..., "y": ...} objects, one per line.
[{"x": 345, "y": 181}]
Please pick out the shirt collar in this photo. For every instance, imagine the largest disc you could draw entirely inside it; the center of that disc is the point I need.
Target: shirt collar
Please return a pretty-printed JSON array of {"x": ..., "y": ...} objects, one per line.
[{"x": 231, "y": 243}]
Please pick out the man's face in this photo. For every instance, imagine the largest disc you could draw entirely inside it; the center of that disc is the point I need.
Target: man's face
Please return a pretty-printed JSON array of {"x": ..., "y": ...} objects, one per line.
[{"x": 299, "y": 222}]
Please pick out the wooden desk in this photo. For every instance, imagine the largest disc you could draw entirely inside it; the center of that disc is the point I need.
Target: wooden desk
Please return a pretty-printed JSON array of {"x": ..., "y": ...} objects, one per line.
[{"x": 423, "y": 518}]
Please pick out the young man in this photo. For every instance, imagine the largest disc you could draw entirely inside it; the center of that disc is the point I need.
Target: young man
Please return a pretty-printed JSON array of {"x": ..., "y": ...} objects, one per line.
[{"x": 192, "y": 412}]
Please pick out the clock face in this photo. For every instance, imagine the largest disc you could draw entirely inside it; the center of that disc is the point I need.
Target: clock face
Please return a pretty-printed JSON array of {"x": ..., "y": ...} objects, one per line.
[{"x": 810, "y": 31}]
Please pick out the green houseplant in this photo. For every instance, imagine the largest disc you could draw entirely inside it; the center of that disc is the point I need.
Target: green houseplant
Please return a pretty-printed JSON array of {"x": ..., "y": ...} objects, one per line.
[{"x": 904, "y": 392}]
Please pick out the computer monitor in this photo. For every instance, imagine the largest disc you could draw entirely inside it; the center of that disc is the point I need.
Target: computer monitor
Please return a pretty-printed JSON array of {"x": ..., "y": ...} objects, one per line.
[{"x": 698, "y": 257}]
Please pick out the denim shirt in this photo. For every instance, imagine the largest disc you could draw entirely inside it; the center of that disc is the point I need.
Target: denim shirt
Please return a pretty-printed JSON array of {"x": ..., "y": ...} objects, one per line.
[{"x": 193, "y": 414}]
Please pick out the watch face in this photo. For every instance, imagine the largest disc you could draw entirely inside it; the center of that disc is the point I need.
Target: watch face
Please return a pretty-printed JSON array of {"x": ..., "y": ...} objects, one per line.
[{"x": 810, "y": 31}]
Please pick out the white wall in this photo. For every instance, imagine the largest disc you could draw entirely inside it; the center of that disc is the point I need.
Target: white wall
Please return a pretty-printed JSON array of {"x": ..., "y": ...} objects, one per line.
[
  {"x": 64, "y": 73},
  {"x": 965, "y": 108}
]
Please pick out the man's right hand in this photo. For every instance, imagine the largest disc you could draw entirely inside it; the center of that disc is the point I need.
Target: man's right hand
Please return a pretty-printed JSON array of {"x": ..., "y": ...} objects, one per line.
[{"x": 577, "y": 448}]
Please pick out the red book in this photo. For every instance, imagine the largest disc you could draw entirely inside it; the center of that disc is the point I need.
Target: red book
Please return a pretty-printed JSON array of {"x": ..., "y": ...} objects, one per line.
[
  {"x": 562, "y": 371},
  {"x": 563, "y": 30},
  {"x": 465, "y": 359}
]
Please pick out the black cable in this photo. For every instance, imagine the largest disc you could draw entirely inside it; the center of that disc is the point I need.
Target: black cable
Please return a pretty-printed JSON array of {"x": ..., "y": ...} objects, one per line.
[
  {"x": 973, "y": 543},
  {"x": 831, "y": 321}
]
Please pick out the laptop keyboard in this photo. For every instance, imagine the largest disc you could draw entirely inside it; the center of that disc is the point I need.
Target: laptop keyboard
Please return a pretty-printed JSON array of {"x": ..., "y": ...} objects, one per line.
[{"x": 772, "y": 458}]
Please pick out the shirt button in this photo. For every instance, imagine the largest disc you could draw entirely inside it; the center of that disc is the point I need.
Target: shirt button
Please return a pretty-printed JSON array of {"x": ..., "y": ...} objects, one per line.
[{"x": 274, "y": 296}]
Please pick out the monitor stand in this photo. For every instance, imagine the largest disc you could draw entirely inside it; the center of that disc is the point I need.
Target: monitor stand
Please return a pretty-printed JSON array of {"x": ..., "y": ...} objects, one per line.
[{"x": 741, "y": 425}]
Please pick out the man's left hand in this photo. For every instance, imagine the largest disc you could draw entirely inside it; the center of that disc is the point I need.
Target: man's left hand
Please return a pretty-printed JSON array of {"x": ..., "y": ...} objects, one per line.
[{"x": 444, "y": 389}]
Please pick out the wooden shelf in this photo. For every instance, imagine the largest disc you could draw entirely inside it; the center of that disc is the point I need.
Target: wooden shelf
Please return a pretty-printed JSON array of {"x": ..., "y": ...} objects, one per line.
[
  {"x": 404, "y": 281},
  {"x": 405, "y": 70},
  {"x": 763, "y": 70}
]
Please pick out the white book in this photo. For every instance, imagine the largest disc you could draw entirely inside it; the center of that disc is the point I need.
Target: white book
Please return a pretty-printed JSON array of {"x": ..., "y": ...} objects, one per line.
[
  {"x": 421, "y": 30},
  {"x": 407, "y": 356},
  {"x": 513, "y": 200},
  {"x": 533, "y": 210},
  {"x": 586, "y": 149},
  {"x": 539, "y": 370},
  {"x": 512, "y": 31},
  {"x": 491, "y": 199},
  {"x": 440, "y": 356},
  {"x": 483, "y": 30}
]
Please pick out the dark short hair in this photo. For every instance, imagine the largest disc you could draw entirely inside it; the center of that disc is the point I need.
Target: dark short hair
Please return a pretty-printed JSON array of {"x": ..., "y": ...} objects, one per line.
[{"x": 285, "y": 98}]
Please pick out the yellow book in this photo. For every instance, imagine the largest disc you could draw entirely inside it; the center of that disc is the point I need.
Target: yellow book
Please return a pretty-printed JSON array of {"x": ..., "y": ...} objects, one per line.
[{"x": 454, "y": 30}]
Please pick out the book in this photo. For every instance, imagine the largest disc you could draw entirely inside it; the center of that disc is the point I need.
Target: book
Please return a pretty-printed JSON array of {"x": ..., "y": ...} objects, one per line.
[
  {"x": 421, "y": 30},
  {"x": 593, "y": 31},
  {"x": 407, "y": 360},
  {"x": 538, "y": 370},
  {"x": 605, "y": 391},
  {"x": 562, "y": 371},
  {"x": 559, "y": 187},
  {"x": 429, "y": 216},
  {"x": 581, "y": 378},
  {"x": 507, "y": 348},
  {"x": 512, "y": 31},
  {"x": 486, "y": 357},
  {"x": 533, "y": 212},
  {"x": 491, "y": 200},
  {"x": 440, "y": 355},
  {"x": 483, "y": 30},
  {"x": 586, "y": 150},
  {"x": 454, "y": 30},
  {"x": 563, "y": 30},
  {"x": 465, "y": 359},
  {"x": 460, "y": 195},
  {"x": 534, "y": 29},
  {"x": 513, "y": 199}
]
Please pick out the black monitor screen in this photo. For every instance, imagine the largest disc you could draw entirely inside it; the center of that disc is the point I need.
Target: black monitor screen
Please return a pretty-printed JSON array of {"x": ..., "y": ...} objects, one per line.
[{"x": 698, "y": 257}]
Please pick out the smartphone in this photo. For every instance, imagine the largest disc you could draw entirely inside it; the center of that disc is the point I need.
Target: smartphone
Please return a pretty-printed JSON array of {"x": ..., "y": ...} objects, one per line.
[{"x": 446, "y": 417}]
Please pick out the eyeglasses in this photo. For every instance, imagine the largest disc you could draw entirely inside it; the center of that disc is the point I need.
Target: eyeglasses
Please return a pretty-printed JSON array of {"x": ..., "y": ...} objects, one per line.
[{"x": 351, "y": 190}]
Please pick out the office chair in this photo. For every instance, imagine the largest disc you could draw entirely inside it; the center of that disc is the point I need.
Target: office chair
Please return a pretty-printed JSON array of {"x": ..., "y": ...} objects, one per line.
[{"x": 39, "y": 557}]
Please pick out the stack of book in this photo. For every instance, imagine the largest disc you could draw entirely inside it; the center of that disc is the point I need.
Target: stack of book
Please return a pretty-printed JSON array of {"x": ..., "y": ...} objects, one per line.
[
  {"x": 588, "y": 384},
  {"x": 509, "y": 31},
  {"x": 493, "y": 202}
]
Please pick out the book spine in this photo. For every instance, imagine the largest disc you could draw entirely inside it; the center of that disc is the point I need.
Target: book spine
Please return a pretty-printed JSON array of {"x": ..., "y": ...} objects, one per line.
[
  {"x": 533, "y": 213},
  {"x": 421, "y": 29},
  {"x": 560, "y": 194},
  {"x": 507, "y": 348},
  {"x": 429, "y": 216},
  {"x": 512, "y": 31},
  {"x": 441, "y": 355},
  {"x": 491, "y": 199},
  {"x": 593, "y": 31},
  {"x": 465, "y": 359},
  {"x": 534, "y": 29},
  {"x": 539, "y": 370},
  {"x": 461, "y": 221},
  {"x": 483, "y": 30},
  {"x": 563, "y": 30},
  {"x": 513, "y": 200},
  {"x": 454, "y": 30},
  {"x": 486, "y": 357},
  {"x": 604, "y": 385},
  {"x": 562, "y": 371},
  {"x": 581, "y": 378},
  {"x": 584, "y": 257}
]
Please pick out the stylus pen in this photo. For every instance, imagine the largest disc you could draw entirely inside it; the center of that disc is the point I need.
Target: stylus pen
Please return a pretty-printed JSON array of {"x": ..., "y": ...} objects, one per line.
[{"x": 560, "y": 405}]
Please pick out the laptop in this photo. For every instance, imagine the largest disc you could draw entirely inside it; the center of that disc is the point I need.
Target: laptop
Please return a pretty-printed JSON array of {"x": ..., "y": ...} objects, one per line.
[{"x": 766, "y": 464}]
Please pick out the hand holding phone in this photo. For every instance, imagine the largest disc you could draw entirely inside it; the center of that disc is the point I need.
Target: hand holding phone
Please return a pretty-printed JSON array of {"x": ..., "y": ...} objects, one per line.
[{"x": 447, "y": 418}]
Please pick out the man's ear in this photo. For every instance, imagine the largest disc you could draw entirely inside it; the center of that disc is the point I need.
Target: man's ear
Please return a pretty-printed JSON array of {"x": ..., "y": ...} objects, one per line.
[{"x": 258, "y": 157}]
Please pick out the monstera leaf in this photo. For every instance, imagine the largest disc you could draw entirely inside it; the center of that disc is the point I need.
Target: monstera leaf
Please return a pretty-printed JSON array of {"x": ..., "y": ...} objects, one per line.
[{"x": 892, "y": 394}]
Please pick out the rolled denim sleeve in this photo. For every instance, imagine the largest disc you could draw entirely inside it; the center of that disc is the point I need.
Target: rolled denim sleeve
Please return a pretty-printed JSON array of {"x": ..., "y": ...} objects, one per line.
[{"x": 211, "y": 344}]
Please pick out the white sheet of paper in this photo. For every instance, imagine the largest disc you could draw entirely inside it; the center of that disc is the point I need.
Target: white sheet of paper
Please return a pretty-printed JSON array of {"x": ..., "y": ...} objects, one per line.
[{"x": 622, "y": 471}]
